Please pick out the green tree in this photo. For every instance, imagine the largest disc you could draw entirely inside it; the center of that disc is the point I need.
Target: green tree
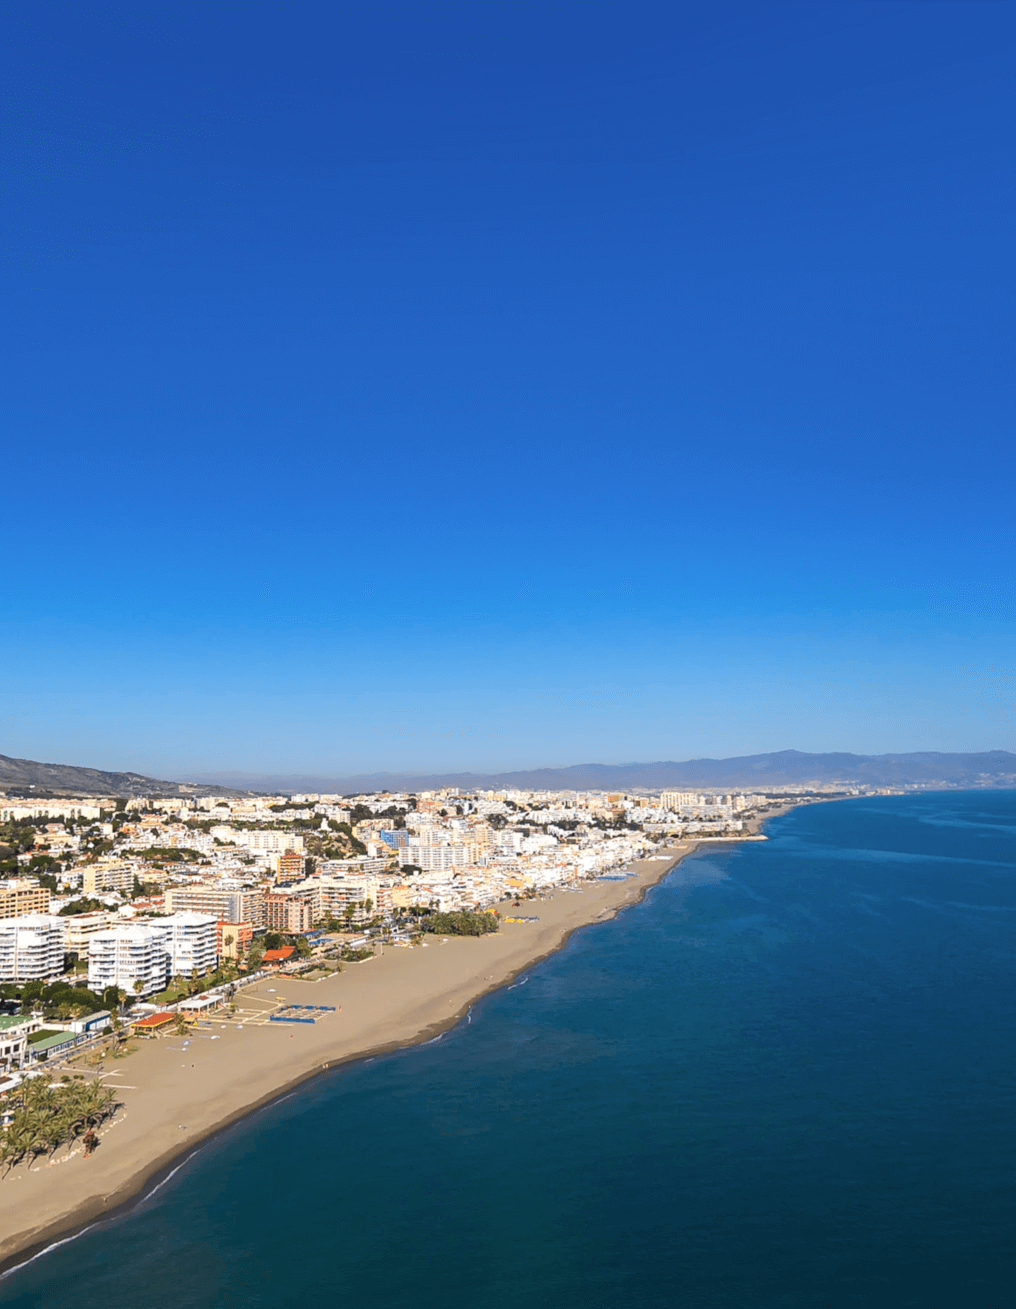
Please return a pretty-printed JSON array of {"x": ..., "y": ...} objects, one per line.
[{"x": 462, "y": 923}]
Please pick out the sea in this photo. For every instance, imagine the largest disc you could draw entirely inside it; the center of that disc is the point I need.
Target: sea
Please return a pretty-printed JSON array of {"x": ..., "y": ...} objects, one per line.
[{"x": 786, "y": 1078}]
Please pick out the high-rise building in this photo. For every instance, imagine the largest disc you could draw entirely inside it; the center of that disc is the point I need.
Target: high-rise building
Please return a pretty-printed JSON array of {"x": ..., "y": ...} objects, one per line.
[
  {"x": 288, "y": 913},
  {"x": 135, "y": 959},
  {"x": 20, "y": 896},
  {"x": 290, "y": 865},
  {"x": 31, "y": 948},
  {"x": 677, "y": 799},
  {"x": 231, "y": 906},
  {"x": 190, "y": 941},
  {"x": 332, "y": 896},
  {"x": 107, "y": 877}
]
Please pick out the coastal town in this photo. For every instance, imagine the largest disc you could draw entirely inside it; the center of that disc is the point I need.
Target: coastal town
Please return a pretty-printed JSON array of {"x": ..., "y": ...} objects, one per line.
[
  {"x": 132, "y": 899},
  {"x": 201, "y": 930}
]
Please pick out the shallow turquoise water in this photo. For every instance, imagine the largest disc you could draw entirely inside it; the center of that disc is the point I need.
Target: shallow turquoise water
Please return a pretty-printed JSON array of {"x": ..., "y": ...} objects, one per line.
[{"x": 786, "y": 1079}]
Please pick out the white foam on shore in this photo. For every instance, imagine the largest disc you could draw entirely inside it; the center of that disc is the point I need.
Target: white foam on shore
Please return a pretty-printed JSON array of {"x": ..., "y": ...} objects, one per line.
[
  {"x": 46, "y": 1250},
  {"x": 66, "y": 1240}
]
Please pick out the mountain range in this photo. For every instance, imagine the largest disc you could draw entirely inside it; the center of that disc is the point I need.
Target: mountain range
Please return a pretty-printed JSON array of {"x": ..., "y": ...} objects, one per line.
[
  {"x": 783, "y": 768},
  {"x": 754, "y": 772}
]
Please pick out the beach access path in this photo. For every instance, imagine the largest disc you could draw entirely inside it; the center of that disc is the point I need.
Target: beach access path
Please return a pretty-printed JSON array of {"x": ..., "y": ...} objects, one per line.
[{"x": 176, "y": 1094}]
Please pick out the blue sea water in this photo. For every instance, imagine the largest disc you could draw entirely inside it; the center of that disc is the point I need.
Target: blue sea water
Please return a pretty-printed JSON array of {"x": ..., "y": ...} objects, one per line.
[{"x": 787, "y": 1078}]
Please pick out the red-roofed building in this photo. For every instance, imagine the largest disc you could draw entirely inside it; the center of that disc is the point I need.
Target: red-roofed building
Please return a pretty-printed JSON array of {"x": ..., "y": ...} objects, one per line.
[
  {"x": 279, "y": 956},
  {"x": 152, "y": 1024}
]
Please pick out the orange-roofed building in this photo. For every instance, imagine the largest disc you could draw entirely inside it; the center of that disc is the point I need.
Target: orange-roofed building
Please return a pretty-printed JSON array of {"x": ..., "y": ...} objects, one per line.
[
  {"x": 152, "y": 1024},
  {"x": 279, "y": 956}
]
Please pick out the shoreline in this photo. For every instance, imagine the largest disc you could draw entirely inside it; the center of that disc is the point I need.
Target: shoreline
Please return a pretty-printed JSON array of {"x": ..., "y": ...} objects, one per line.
[{"x": 45, "y": 1220}]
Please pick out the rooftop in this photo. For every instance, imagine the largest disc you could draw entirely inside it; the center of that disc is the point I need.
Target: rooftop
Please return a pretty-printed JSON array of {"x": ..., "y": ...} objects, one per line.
[{"x": 153, "y": 1020}]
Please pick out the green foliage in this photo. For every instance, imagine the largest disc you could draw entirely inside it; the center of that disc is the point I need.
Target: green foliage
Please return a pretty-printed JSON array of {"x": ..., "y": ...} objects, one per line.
[
  {"x": 461, "y": 923},
  {"x": 273, "y": 941},
  {"x": 44, "y": 1115},
  {"x": 85, "y": 905},
  {"x": 171, "y": 854},
  {"x": 360, "y": 812},
  {"x": 44, "y": 863},
  {"x": 57, "y": 1000},
  {"x": 303, "y": 947}
]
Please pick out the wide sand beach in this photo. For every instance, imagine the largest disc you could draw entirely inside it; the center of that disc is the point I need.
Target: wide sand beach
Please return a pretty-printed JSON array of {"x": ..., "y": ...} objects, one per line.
[{"x": 176, "y": 1095}]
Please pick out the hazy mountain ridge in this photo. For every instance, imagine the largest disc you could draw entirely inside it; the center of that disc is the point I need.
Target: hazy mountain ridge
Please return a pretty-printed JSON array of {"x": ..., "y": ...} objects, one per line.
[{"x": 782, "y": 768}]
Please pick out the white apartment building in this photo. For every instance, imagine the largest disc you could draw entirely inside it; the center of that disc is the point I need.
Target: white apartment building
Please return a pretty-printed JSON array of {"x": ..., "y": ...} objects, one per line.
[
  {"x": 125, "y": 957},
  {"x": 189, "y": 940},
  {"x": 439, "y": 858},
  {"x": 31, "y": 948},
  {"x": 358, "y": 866},
  {"x": 677, "y": 799},
  {"x": 270, "y": 841},
  {"x": 11, "y": 811}
]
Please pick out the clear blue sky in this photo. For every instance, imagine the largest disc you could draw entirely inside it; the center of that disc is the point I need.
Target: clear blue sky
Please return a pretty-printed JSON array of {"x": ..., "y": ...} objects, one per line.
[{"x": 506, "y": 384}]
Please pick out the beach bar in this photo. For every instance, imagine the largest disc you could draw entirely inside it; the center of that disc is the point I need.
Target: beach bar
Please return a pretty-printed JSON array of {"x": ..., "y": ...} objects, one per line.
[{"x": 152, "y": 1024}]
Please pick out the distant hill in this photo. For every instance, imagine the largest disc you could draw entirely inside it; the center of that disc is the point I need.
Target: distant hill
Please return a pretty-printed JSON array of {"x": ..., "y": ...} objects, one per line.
[
  {"x": 783, "y": 768},
  {"x": 756, "y": 772},
  {"x": 26, "y": 776}
]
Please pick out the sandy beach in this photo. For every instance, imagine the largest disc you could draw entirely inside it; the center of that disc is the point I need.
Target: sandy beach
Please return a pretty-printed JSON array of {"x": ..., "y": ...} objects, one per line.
[{"x": 176, "y": 1096}]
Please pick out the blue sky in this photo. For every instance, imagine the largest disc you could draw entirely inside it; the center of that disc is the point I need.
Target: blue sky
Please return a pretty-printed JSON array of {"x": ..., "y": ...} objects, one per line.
[{"x": 499, "y": 385}]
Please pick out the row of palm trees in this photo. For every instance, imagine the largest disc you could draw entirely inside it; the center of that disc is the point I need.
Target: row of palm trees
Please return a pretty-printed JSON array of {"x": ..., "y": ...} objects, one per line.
[{"x": 42, "y": 1115}]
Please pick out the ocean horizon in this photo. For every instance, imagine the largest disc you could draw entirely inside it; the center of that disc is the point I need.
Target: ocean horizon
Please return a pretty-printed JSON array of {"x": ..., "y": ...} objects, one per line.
[{"x": 785, "y": 1078}]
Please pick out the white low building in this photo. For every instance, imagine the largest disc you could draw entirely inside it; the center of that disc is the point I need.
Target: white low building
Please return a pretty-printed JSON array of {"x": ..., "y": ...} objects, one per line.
[
  {"x": 31, "y": 947},
  {"x": 125, "y": 957},
  {"x": 190, "y": 942}
]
